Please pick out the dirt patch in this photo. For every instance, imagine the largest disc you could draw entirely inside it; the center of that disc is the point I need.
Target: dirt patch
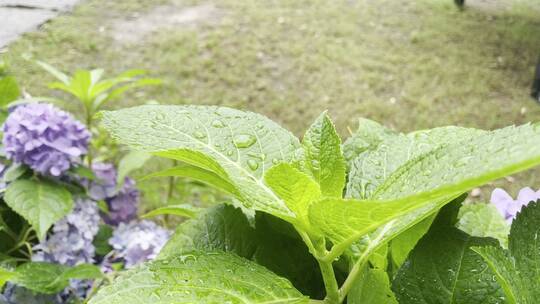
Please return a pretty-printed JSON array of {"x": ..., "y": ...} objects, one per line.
[{"x": 139, "y": 26}]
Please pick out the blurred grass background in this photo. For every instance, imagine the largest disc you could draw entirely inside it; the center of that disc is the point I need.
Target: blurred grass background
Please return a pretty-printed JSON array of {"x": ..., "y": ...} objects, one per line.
[{"x": 408, "y": 64}]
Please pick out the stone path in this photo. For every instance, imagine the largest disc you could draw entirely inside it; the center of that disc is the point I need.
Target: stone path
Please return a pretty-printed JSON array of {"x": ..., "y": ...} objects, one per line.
[{"x": 20, "y": 16}]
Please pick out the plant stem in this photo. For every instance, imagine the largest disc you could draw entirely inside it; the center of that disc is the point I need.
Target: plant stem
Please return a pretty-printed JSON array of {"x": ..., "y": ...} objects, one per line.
[
  {"x": 330, "y": 283},
  {"x": 327, "y": 271},
  {"x": 351, "y": 278}
]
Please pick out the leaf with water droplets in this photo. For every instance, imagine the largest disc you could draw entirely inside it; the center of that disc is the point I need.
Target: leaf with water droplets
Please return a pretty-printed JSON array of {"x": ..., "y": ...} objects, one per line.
[
  {"x": 372, "y": 167},
  {"x": 518, "y": 268},
  {"x": 442, "y": 268},
  {"x": 324, "y": 159},
  {"x": 226, "y": 142},
  {"x": 199, "y": 277},
  {"x": 268, "y": 241},
  {"x": 433, "y": 180}
]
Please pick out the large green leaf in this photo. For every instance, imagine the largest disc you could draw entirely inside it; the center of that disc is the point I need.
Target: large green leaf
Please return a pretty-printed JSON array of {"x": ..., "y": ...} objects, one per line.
[
  {"x": 296, "y": 189},
  {"x": 430, "y": 180},
  {"x": 442, "y": 268},
  {"x": 237, "y": 146},
  {"x": 483, "y": 220},
  {"x": 387, "y": 152},
  {"x": 272, "y": 243},
  {"x": 458, "y": 167},
  {"x": 324, "y": 159},
  {"x": 518, "y": 268},
  {"x": 199, "y": 277},
  {"x": 371, "y": 169},
  {"x": 51, "y": 278},
  {"x": 40, "y": 202}
]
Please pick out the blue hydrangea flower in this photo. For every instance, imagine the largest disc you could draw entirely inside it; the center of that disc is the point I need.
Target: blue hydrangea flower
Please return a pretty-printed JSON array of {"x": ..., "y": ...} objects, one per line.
[
  {"x": 138, "y": 242},
  {"x": 509, "y": 207},
  {"x": 123, "y": 204},
  {"x": 45, "y": 138},
  {"x": 70, "y": 242}
]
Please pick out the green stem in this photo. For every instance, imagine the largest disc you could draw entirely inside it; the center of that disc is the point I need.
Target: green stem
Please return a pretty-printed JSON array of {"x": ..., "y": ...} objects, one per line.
[
  {"x": 329, "y": 277},
  {"x": 351, "y": 278}
]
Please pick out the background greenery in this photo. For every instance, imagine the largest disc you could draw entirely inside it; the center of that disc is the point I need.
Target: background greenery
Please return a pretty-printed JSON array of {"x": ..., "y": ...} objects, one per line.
[{"x": 408, "y": 64}]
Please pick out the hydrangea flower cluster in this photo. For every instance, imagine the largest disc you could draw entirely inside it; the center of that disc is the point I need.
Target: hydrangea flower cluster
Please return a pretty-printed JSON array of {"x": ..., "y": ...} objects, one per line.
[
  {"x": 45, "y": 138},
  {"x": 509, "y": 207},
  {"x": 137, "y": 242},
  {"x": 70, "y": 242},
  {"x": 123, "y": 204}
]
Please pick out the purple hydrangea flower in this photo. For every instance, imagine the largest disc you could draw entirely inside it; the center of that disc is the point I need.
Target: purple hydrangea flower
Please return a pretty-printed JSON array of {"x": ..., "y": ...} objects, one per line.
[
  {"x": 507, "y": 206},
  {"x": 45, "y": 138},
  {"x": 137, "y": 242},
  {"x": 105, "y": 184},
  {"x": 70, "y": 242},
  {"x": 123, "y": 204}
]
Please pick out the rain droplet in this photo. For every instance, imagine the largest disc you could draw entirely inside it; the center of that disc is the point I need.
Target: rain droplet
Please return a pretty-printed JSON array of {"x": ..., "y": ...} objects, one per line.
[
  {"x": 244, "y": 140},
  {"x": 218, "y": 124},
  {"x": 253, "y": 164},
  {"x": 199, "y": 135}
]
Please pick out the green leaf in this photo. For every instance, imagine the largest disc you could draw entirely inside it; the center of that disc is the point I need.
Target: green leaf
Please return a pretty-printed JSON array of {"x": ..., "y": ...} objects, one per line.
[
  {"x": 53, "y": 71},
  {"x": 483, "y": 220},
  {"x": 296, "y": 189},
  {"x": 199, "y": 277},
  {"x": 237, "y": 146},
  {"x": 514, "y": 285},
  {"x": 373, "y": 167},
  {"x": 430, "y": 180},
  {"x": 130, "y": 162},
  {"x": 184, "y": 210},
  {"x": 222, "y": 227},
  {"x": 199, "y": 174},
  {"x": 9, "y": 90},
  {"x": 41, "y": 203},
  {"x": 5, "y": 276},
  {"x": 52, "y": 278},
  {"x": 518, "y": 268},
  {"x": 456, "y": 168},
  {"x": 324, "y": 159},
  {"x": 405, "y": 241},
  {"x": 442, "y": 268},
  {"x": 373, "y": 287},
  {"x": 101, "y": 240},
  {"x": 13, "y": 172},
  {"x": 368, "y": 136},
  {"x": 523, "y": 244},
  {"x": 272, "y": 243}
]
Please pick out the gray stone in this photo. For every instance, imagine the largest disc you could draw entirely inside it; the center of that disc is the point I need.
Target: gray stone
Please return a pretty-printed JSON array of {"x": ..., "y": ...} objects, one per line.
[
  {"x": 15, "y": 22},
  {"x": 56, "y": 5}
]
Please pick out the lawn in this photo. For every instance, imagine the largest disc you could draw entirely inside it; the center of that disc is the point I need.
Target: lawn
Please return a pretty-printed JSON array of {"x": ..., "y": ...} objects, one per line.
[{"x": 408, "y": 64}]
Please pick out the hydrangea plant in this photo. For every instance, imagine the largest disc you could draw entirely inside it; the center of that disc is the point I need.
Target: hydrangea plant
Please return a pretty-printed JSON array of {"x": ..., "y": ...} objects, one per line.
[{"x": 372, "y": 220}]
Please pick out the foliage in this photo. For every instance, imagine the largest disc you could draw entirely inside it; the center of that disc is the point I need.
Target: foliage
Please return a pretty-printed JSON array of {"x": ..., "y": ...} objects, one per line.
[
  {"x": 396, "y": 184},
  {"x": 61, "y": 213}
]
